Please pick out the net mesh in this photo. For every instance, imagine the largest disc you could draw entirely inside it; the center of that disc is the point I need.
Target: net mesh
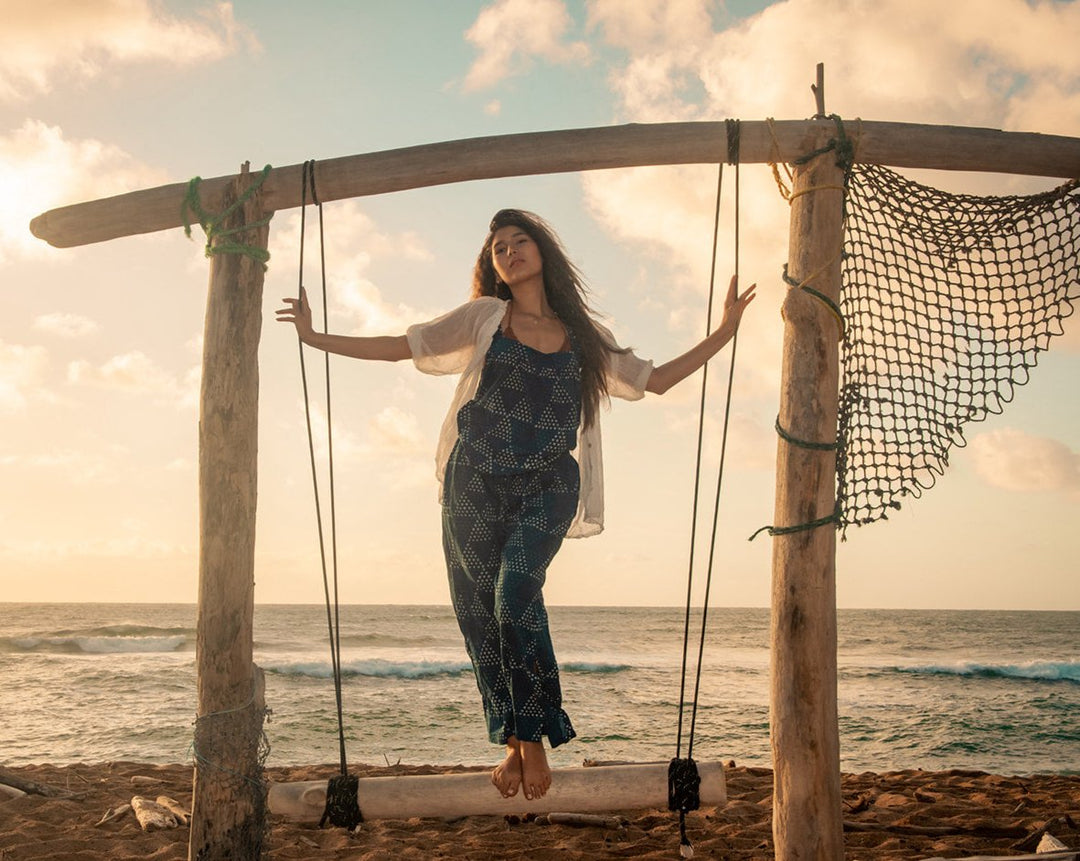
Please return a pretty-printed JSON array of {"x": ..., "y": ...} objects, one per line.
[
  {"x": 230, "y": 749},
  {"x": 947, "y": 301}
]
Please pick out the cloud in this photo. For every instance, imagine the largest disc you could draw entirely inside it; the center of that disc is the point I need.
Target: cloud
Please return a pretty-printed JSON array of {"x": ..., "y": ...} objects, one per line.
[
  {"x": 1014, "y": 460},
  {"x": 79, "y": 38},
  {"x": 136, "y": 373},
  {"x": 125, "y": 546},
  {"x": 665, "y": 40},
  {"x": 41, "y": 169},
  {"x": 395, "y": 431},
  {"x": 353, "y": 244},
  {"x": 511, "y": 34},
  {"x": 348, "y": 446},
  {"x": 72, "y": 466},
  {"x": 900, "y": 60},
  {"x": 22, "y": 370},
  {"x": 65, "y": 325}
]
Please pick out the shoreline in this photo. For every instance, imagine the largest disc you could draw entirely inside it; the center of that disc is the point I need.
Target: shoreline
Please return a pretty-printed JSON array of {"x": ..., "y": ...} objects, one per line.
[{"x": 895, "y": 814}]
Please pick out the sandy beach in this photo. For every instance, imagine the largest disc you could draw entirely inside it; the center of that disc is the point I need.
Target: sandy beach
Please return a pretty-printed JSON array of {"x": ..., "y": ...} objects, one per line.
[{"x": 903, "y": 814}]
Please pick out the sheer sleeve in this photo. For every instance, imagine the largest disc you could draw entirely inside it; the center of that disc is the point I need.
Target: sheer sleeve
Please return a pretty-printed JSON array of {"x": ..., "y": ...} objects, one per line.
[
  {"x": 628, "y": 374},
  {"x": 446, "y": 344}
]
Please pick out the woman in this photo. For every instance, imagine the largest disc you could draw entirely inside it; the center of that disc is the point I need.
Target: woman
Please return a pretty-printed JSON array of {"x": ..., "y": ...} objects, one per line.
[{"x": 518, "y": 459}]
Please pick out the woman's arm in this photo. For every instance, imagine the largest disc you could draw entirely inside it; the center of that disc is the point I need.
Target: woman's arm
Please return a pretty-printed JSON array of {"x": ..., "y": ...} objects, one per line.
[
  {"x": 386, "y": 348},
  {"x": 667, "y": 375}
]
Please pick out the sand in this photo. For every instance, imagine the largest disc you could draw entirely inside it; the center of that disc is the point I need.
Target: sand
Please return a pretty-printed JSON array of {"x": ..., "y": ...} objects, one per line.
[{"x": 904, "y": 814}]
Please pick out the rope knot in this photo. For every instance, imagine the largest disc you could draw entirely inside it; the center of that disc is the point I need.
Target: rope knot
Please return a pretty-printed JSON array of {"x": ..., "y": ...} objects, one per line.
[
  {"x": 684, "y": 784},
  {"x": 213, "y": 225},
  {"x": 342, "y": 805}
]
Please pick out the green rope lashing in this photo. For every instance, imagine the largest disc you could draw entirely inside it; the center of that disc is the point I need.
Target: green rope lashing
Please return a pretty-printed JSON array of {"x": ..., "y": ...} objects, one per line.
[
  {"x": 845, "y": 158},
  {"x": 801, "y": 443},
  {"x": 798, "y": 527},
  {"x": 813, "y": 524},
  {"x": 834, "y": 309},
  {"x": 212, "y": 224},
  {"x": 845, "y": 149}
]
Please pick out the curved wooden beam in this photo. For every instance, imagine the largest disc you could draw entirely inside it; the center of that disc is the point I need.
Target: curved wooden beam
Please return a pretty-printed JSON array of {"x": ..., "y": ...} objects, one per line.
[{"x": 760, "y": 141}]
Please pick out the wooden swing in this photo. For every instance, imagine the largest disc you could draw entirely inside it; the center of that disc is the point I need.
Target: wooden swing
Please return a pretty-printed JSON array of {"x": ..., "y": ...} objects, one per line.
[
  {"x": 345, "y": 800},
  {"x": 805, "y": 737}
]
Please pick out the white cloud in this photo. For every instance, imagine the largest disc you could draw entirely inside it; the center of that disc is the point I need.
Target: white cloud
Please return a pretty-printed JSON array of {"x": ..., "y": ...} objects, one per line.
[
  {"x": 1014, "y": 460},
  {"x": 124, "y": 546},
  {"x": 901, "y": 60},
  {"x": 79, "y": 38},
  {"x": 65, "y": 325},
  {"x": 135, "y": 373},
  {"x": 396, "y": 431},
  {"x": 650, "y": 25},
  {"x": 40, "y": 169},
  {"x": 665, "y": 41},
  {"x": 353, "y": 243},
  {"x": 22, "y": 370},
  {"x": 78, "y": 467},
  {"x": 347, "y": 445},
  {"x": 511, "y": 34}
]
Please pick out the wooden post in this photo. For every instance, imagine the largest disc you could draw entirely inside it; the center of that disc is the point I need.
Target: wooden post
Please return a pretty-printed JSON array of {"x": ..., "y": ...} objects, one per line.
[
  {"x": 807, "y": 820},
  {"x": 228, "y": 808}
]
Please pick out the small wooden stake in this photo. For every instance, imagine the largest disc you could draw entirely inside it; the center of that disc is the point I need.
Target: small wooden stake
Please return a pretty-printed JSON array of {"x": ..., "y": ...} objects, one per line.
[
  {"x": 818, "y": 90},
  {"x": 807, "y": 820},
  {"x": 228, "y": 822}
]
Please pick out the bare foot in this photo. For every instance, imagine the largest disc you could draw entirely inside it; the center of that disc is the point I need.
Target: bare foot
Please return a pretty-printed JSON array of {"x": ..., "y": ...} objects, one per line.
[
  {"x": 535, "y": 772},
  {"x": 507, "y": 774}
]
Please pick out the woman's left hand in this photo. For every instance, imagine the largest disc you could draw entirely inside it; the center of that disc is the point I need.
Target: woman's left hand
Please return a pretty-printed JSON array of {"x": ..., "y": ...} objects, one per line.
[{"x": 735, "y": 303}]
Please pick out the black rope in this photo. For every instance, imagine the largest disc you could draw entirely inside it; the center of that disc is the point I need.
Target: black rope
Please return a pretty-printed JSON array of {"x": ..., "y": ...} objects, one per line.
[
  {"x": 342, "y": 808},
  {"x": 732, "y": 128},
  {"x": 683, "y": 778},
  {"x": 697, "y": 484}
]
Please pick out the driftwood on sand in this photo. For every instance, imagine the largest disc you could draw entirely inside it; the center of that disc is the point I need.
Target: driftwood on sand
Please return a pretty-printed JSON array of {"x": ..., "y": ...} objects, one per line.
[
  {"x": 162, "y": 812},
  {"x": 583, "y": 820},
  {"x": 112, "y": 814},
  {"x": 31, "y": 787}
]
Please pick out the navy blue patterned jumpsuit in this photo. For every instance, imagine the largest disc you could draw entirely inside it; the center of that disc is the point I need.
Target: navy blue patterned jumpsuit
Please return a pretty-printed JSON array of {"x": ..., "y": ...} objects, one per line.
[{"x": 510, "y": 495}]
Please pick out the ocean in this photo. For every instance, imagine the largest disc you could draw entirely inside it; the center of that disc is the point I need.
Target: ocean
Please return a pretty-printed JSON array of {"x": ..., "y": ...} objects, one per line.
[{"x": 986, "y": 690}]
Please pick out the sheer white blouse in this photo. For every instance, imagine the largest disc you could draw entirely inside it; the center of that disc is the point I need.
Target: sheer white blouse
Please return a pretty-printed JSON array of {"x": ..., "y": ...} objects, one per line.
[{"x": 457, "y": 342}]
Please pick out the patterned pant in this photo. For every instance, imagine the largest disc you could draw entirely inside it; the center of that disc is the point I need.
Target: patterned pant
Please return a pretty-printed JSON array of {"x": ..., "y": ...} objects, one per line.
[{"x": 500, "y": 532}]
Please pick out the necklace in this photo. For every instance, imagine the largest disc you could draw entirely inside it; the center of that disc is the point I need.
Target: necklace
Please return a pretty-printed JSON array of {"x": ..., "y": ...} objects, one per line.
[{"x": 535, "y": 319}]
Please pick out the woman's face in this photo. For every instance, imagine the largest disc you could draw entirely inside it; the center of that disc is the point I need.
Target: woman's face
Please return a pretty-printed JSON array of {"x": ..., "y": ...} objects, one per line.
[{"x": 515, "y": 256}]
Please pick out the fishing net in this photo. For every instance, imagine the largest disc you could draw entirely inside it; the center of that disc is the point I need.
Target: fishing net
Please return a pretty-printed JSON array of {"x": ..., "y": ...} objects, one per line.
[
  {"x": 947, "y": 301},
  {"x": 230, "y": 749}
]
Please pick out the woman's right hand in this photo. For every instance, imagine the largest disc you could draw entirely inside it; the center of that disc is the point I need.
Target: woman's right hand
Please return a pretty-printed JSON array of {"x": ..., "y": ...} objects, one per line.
[{"x": 297, "y": 312}]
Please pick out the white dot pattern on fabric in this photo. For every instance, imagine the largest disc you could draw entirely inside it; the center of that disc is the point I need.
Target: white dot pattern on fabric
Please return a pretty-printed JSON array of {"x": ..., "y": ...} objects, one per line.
[{"x": 511, "y": 494}]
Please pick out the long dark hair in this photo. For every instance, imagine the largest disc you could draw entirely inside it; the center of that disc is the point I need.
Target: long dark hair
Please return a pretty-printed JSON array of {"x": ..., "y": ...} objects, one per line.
[{"x": 565, "y": 289}]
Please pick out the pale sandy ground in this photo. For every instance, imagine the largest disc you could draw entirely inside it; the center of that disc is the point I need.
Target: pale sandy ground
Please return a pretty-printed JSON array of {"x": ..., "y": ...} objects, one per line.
[{"x": 906, "y": 814}]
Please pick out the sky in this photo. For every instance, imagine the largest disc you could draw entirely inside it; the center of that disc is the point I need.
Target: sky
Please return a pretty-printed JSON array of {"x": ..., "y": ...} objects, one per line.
[{"x": 100, "y": 346}]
